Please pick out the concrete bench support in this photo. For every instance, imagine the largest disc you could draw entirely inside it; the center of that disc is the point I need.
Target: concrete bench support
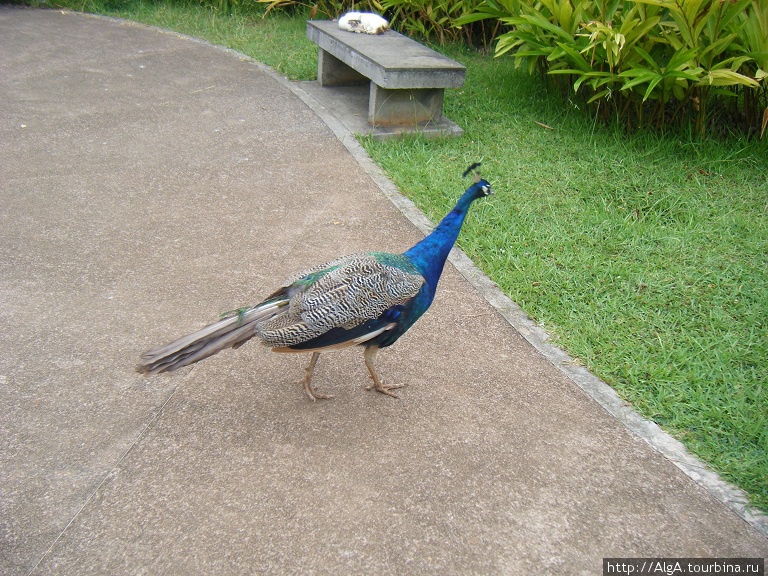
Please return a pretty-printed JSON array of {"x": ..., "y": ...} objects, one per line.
[
  {"x": 407, "y": 80},
  {"x": 333, "y": 72},
  {"x": 404, "y": 107}
]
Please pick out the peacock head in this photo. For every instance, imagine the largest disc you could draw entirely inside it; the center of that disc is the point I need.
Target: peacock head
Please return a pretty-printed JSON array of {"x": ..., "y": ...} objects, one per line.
[{"x": 481, "y": 187}]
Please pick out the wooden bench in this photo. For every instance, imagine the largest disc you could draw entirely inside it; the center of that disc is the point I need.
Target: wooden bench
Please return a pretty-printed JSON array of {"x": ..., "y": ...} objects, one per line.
[{"x": 407, "y": 80}]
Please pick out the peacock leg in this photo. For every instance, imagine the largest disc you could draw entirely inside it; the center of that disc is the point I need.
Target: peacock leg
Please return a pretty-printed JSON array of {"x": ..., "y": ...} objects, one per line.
[
  {"x": 370, "y": 356},
  {"x": 307, "y": 380}
]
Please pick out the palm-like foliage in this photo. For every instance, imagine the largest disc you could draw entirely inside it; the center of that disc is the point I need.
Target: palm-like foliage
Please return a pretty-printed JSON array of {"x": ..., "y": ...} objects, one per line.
[{"x": 666, "y": 59}]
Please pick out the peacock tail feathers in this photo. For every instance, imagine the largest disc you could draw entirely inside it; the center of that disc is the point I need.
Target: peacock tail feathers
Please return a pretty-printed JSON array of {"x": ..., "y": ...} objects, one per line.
[{"x": 230, "y": 332}]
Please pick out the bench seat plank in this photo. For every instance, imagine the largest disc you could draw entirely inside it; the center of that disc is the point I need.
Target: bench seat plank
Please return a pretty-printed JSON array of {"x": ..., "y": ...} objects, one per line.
[{"x": 391, "y": 60}]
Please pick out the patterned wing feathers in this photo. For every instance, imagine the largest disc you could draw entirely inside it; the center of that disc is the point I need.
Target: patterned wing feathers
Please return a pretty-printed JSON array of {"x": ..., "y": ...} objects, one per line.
[{"x": 342, "y": 294}]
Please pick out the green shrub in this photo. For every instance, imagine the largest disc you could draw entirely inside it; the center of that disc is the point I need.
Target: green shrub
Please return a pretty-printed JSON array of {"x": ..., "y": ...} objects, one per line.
[
  {"x": 754, "y": 38},
  {"x": 432, "y": 20},
  {"x": 328, "y": 9},
  {"x": 436, "y": 20},
  {"x": 645, "y": 62}
]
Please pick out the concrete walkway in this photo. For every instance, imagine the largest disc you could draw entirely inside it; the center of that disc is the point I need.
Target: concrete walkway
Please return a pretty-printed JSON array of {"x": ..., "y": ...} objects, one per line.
[{"x": 149, "y": 182}]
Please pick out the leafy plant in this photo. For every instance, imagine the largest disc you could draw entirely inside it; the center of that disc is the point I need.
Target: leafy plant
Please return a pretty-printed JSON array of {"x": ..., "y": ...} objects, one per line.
[
  {"x": 435, "y": 19},
  {"x": 326, "y": 8},
  {"x": 754, "y": 37},
  {"x": 646, "y": 62},
  {"x": 706, "y": 31}
]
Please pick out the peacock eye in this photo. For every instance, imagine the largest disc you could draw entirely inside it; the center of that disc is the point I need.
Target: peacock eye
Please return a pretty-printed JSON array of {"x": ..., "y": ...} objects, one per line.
[{"x": 486, "y": 190}]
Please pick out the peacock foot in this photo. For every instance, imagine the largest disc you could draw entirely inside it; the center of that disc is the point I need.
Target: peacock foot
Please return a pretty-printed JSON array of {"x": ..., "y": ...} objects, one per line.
[
  {"x": 385, "y": 388},
  {"x": 312, "y": 392},
  {"x": 370, "y": 357}
]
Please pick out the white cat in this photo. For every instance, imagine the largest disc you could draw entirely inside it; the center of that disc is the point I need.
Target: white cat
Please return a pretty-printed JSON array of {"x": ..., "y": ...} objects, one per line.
[{"x": 363, "y": 22}]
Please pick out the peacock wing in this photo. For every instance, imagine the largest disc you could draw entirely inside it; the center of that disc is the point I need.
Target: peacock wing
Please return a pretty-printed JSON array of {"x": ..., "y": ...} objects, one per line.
[{"x": 346, "y": 298}]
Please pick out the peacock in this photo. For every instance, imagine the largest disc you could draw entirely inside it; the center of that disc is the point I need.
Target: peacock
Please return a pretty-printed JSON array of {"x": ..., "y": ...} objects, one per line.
[{"x": 368, "y": 299}]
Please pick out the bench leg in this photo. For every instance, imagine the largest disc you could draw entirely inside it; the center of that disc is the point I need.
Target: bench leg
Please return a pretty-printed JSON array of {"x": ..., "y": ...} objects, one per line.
[
  {"x": 404, "y": 107},
  {"x": 333, "y": 72}
]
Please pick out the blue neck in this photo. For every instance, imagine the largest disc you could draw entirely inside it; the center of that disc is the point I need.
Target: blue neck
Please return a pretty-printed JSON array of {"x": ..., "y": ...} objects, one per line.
[{"x": 430, "y": 254}]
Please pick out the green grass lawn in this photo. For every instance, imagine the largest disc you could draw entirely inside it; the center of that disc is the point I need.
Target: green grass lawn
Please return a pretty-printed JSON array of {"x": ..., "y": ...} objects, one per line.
[{"x": 644, "y": 256}]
